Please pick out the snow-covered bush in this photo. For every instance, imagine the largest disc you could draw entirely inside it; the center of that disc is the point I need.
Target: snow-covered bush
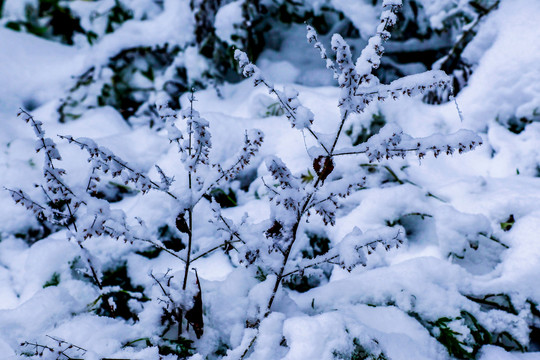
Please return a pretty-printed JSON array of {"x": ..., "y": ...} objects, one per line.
[
  {"x": 268, "y": 249},
  {"x": 293, "y": 201},
  {"x": 128, "y": 72},
  {"x": 84, "y": 215}
]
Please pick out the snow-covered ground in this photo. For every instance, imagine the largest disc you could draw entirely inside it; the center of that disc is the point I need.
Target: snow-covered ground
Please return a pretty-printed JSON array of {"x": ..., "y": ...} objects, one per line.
[{"x": 452, "y": 208}]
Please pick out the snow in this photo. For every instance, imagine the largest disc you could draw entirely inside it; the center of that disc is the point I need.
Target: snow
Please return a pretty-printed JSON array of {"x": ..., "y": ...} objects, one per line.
[
  {"x": 490, "y": 352},
  {"x": 506, "y": 81},
  {"x": 397, "y": 334},
  {"x": 447, "y": 211},
  {"x": 172, "y": 26},
  {"x": 364, "y": 17},
  {"x": 15, "y": 9},
  {"x": 33, "y": 70},
  {"x": 227, "y": 18}
]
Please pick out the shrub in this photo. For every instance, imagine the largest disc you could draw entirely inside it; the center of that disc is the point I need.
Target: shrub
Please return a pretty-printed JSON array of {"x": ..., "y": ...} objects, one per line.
[{"x": 293, "y": 199}]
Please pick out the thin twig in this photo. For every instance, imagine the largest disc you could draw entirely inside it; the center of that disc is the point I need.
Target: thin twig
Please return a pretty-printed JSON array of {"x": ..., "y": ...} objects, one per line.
[{"x": 224, "y": 245}]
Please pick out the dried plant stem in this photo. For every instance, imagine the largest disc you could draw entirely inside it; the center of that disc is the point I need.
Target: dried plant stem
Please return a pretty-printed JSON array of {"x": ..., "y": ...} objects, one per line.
[
  {"x": 327, "y": 260},
  {"x": 286, "y": 255},
  {"x": 224, "y": 245},
  {"x": 92, "y": 269},
  {"x": 290, "y": 111},
  {"x": 341, "y": 124},
  {"x": 289, "y": 248},
  {"x": 190, "y": 209},
  {"x": 190, "y": 219},
  {"x": 190, "y": 241},
  {"x": 281, "y": 274},
  {"x": 160, "y": 247}
]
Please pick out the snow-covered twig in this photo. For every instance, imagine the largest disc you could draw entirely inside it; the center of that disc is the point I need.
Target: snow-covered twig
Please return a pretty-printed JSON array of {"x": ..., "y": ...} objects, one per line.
[
  {"x": 392, "y": 142},
  {"x": 359, "y": 87},
  {"x": 312, "y": 37},
  {"x": 59, "y": 348},
  {"x": 299, "y": 116},
  {"x": 355, "y": 243},
  {"x": 106, "y": 161},
  {"x": 160, "y": 246},
  {"x": 42, "y": 212},
  {"x": 252, "y": 142},
  {"x": 55, "y": 188}
]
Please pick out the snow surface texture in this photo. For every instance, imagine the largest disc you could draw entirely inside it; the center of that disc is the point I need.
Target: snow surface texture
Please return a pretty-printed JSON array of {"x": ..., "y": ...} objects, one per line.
[{"x": 464, "y": 199}]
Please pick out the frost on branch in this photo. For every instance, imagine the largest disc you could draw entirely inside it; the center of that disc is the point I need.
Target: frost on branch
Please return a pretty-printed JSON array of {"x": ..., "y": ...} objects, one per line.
[
  {"x": 195, "y": 149},
  {"x": 53, "y": 348},
  {"x": 372, "y": 53},
  {"x": 100, "y": 220},
  {"x": 347, "y": 77},
  {"x": 312, "y": 37},
  {"x": 41, "y": 212},
  {"x": 299, "y": 116},
  {"x": 286, "y": 201},
  {"x": 178, "y": 299},
  {"x": 392, "y": 142},
  {"x": 104, "y": 160},
  {"x": 199, "y": 143},
  {"x": 55, "y": 185},
  {"x": 165, "y": 180},
  {"x": 61, "y": 201},
  {"x": 359, "y": 87},
  {"x": 354, "y": 248},
  {"x": 168, "y": 117},
  {"x": 281, "y": 173},
  {"x": 253, "y": 140},
  {"x": 325, "y": 202}
]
